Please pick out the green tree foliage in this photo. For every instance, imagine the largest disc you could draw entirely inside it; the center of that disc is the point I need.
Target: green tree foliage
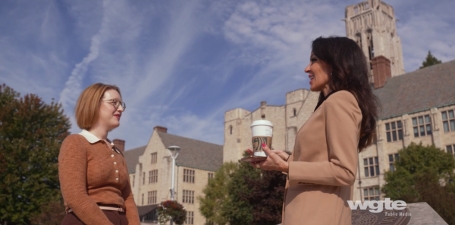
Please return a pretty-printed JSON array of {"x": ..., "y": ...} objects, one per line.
[
  {"x": 240, "y": 194},
  {"x": 31, "y": 133},
  {"x": 424, "y": 174},
  {"x": 238, "y": 209},
  {"x": 216, "y": 194},
  {"x": 430, "y": 61}
]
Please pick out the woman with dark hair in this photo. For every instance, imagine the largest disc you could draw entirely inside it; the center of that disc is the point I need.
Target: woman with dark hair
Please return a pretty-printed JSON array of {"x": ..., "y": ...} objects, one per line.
[{"x": 322, "y": 169}]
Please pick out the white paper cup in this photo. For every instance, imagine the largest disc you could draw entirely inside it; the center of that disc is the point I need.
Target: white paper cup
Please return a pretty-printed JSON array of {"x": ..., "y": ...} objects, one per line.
[{"x": 262, "y": 131}]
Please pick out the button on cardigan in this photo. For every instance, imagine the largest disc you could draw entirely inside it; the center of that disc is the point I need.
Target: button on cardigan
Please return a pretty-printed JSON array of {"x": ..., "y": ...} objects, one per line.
[{"x": 92, "y": 172}]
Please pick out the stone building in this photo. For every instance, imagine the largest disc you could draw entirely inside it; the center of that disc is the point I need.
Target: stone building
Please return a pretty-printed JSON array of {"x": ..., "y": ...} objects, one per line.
[
  {"x": 150, "y": 169},
  {"x": 416, "y": 107},
  {"x": 372, "y": 24}
]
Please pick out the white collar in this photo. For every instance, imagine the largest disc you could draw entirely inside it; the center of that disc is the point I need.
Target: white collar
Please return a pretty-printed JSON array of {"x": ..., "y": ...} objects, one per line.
[{"x": 91, "y": 137}]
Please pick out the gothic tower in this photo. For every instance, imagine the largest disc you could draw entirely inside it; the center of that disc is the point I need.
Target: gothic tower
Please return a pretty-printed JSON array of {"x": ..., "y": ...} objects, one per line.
[{"x": 372, "y": 25}]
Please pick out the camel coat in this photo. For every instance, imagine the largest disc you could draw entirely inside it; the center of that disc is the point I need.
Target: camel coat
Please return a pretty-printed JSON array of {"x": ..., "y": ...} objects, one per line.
[{"x": 323, "y": 166}]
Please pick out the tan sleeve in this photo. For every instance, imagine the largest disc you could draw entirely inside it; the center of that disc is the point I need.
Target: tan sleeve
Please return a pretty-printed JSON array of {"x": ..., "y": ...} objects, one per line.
[
  {"x": 72, "y": 172},
  {"x": 131, "y": 210},
  {"x": 342, "y": 120}
]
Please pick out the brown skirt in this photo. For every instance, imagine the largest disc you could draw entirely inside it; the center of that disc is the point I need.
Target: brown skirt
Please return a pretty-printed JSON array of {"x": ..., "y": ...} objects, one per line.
[{"x": 117, "y": 218}]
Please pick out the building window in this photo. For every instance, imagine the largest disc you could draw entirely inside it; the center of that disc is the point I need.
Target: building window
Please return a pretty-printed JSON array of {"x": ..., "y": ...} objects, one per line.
[
  {"x": 143, "y": 177},
  {"x": 230, "y": 129},
  {"x": 448, "y": 120},
  {"x": 451, "y": 149},
  {"x": 210, "y": 177},
  {"x": 188, "y": 176},
  {"x": 371, "y": 166},
  {"x": 295, "y": 112},
  {"x": 134, "y": 176},
  {"x": 189, "y": 217},
  {"x": 421, "y": 125},
  {"x": 154, "y": 158},
  {"x": 153, "y": 176},
  {"x": 394, "y": 131},
  {"x": 188, "y": 197},
  {"x": 392, "y": 159},
  {"x": 371, "y": 193},
  {"x": 142, "y": 199},
  {"x": 151, "y": 197}
]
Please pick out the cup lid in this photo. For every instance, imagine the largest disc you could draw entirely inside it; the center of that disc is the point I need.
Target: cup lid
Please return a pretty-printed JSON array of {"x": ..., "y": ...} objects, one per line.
[{"x": 261, "y": 122}]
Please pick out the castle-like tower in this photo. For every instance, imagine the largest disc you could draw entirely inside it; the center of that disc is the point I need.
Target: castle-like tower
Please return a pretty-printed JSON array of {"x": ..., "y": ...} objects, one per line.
[{"x": 372, "y": 25}]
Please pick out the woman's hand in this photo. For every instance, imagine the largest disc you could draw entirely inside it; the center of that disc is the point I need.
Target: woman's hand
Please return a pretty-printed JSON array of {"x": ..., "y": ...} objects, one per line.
[{"x": 276, "y": 160}]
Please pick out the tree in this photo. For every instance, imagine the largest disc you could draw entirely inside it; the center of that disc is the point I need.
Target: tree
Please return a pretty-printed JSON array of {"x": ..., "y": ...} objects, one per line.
[
  {"x": 31, "y": 133},
  {"x": 430, "y": 61},
  {"x": 216, "y": 194},
  {"x": 267, "y": 198},
  {"x": 171, "y": 210},
  {"x": 239, "y": 209},
  {"x": 424, "y": 174}
]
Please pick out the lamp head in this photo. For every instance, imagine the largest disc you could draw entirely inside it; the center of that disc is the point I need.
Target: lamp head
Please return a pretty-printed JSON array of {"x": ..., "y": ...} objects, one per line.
[{"x": 174, "y": 150}]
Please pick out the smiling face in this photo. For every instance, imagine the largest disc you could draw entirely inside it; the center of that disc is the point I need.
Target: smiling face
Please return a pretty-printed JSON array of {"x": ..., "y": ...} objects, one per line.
[
  {"x": 318, "y": 72},
  {"x": 109, "y": 114}
]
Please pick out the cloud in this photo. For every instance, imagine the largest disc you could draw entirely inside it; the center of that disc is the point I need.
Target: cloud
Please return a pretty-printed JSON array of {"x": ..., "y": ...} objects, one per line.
[{"x": 184, "y": 64}]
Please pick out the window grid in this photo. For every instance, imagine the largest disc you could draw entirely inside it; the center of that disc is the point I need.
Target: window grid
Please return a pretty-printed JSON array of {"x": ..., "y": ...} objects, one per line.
[
  {"x": 392, "y": 159},
  {"x": 151, "y": 197},
  {"x": 371, "y": 166},
  {"x": 188, "y": 197},
  {"x": 189, "y": 217},
  {"x": 188, "y": 176},
  {"x": 451, "y": 149},
  {"x": 153, "y": 176},
  {"x": 142, "y": 199},
  {"x": 448, "y": 120},
  {"x": 394, "y": 131},
  {"x": 143, "y": 177},
  {"x": 371, "y": 193},
  {"x": 153, "y": 157},
  {"x": 421, "y": 125}
]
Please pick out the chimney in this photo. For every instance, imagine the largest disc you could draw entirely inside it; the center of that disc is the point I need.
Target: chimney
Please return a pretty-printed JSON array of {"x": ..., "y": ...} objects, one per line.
[
  {"x": 160, "y": 129},
  {"x": 263, "y": 105},
  {"x": 120, "y": 144},
  {"x": 381, "y": 70}
]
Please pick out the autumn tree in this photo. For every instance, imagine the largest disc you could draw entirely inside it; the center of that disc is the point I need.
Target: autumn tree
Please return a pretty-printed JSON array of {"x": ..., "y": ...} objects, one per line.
[
  {"x": 430, "y": 61},
  {"x": 31, "y": 133}
]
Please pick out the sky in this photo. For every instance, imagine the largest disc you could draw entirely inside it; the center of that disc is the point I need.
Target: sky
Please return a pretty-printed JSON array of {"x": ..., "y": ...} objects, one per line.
[{"x": 182, "y": 64}]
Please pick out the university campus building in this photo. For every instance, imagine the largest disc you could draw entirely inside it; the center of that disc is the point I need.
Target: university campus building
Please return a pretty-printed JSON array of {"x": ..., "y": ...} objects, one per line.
[{"x": 417, "y": 107}]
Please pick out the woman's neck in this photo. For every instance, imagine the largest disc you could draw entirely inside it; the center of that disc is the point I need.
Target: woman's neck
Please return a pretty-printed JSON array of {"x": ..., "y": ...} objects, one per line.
[{"x": 99, "y": 132}]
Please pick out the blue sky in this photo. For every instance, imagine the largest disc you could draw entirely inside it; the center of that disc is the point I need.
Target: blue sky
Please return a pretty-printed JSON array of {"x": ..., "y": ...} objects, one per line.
[{"x": 182, "y": 64}]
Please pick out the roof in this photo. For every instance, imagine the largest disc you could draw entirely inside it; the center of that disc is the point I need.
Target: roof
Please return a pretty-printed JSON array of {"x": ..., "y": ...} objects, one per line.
[
  {"x": 417, "y": 91},
  {"x": 143, "y": 210},
  {"x": 194, "y": 153},
  {"x": 132, "y": 158}
]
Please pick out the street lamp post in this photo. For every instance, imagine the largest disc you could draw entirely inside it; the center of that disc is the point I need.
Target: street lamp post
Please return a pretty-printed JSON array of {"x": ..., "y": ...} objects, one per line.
[{"x": 174, "y": 150}]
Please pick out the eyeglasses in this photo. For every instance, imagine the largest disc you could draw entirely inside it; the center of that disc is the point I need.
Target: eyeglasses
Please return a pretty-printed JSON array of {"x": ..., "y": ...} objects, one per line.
[{"x": 116, "y": 103}]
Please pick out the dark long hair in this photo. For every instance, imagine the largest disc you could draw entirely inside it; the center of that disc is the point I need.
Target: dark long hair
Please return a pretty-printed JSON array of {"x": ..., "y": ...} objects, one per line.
[{"x": 350, "y": 72}]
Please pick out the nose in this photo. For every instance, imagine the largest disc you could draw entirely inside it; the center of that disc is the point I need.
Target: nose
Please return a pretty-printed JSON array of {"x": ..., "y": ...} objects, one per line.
[
  {"x": 120, "y": 108},
  {"x": 307, "y": 69}
]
